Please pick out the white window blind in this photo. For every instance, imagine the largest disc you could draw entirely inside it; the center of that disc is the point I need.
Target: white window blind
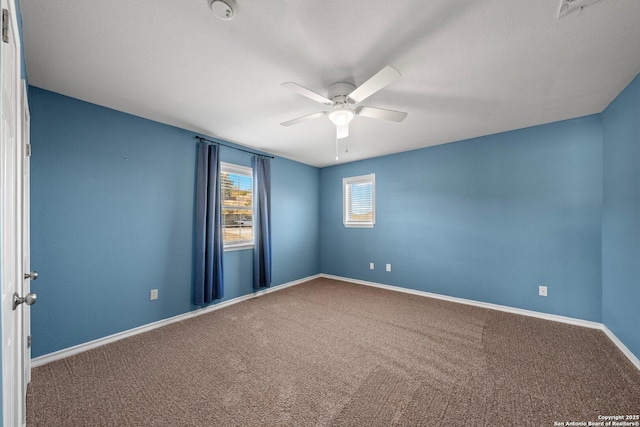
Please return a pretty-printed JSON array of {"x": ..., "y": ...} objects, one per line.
[
  {"x": 236, "y": 191},
  {"x": 359, "y": 201}
]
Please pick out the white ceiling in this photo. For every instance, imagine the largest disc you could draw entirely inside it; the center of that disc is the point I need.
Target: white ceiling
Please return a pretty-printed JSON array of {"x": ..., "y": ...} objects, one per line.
[{"x": 469, "y": 68}]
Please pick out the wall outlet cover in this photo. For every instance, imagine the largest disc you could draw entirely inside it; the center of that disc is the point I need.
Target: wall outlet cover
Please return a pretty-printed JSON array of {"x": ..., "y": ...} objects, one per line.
[
  {"x": 388, "y": 267},
  {"x": 153, "y": 294},
  {"x": 542, "y": 291},
  {"x": 370, "y": 266}
]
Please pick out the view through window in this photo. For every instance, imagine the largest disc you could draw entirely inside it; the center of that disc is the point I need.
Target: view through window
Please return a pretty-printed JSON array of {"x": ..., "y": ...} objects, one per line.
[{"x": 236, "y": 188}]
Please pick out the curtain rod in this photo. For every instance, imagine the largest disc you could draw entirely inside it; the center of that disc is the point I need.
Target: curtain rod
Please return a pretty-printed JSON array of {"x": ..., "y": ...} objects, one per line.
[{"x": 231, "y": 146}]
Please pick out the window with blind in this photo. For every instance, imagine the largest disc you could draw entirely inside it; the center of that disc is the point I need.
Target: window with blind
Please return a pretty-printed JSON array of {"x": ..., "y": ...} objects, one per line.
[
  {"x": 359, "y": 201},
  {"x": 236, "y": 191}
]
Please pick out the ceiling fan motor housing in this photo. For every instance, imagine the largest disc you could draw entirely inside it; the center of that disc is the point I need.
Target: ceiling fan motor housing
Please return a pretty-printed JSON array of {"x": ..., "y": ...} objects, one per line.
[{"x": 338, "y": 92}]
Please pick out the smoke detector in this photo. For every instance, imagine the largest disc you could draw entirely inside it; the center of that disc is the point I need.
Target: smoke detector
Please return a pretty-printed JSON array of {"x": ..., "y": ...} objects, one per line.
[{"x": 223, "y": 9}]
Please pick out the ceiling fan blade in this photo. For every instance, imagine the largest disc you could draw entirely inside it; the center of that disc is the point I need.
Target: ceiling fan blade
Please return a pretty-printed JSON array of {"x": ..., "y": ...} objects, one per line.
[
  {"x": 304, "y": 118},
  {"x": 379, "y": 80},
  {"x": 307, "y": 92},
  {"x": 379, "y": 113},
  {"x": 342, "y": 131}
]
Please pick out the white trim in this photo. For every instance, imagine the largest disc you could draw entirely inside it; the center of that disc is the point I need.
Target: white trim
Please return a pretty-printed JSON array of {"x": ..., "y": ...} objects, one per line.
[
  {"x": 232, "y": 168},
  {"x": 553, "y": 317},
  {"x": 623, "y": 348},
  {"x": 61, "y": 354},
  {"x": 490, "y": 306},
  {"x": 346, "y": 194},
  {"x": 80, "y": 348}
]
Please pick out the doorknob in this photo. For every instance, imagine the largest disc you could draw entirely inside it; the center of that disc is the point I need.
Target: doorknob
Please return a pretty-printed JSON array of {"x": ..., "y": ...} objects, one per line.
[
  {"x": 33, "y": 275},
  {"x": 29, "y": 299}
]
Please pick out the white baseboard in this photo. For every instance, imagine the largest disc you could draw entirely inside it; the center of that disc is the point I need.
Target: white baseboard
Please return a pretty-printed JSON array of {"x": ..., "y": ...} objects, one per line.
[
  {"x": 70, "y": 351},
  {"x": 553, "y": 317},
  {"x": 623, "y": 348},
  {"x": 530, "y": 313},
  {"x": 61, "y": 354}
]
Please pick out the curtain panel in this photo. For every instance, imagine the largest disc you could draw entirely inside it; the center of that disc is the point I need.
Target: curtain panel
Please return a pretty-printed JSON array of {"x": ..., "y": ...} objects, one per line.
[
  {"x": 208, "y": 281},
  {"x": 261, "y": 222}
]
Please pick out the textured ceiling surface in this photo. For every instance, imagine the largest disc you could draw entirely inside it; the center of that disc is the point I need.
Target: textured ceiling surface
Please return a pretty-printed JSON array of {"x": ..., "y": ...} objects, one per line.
[{"x": 469, "y": 68}]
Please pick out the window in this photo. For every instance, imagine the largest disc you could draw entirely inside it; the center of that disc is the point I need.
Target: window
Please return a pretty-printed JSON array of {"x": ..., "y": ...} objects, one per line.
[
  {"x": 236, "y": 191},
  {"x": 359, "y": 201}
]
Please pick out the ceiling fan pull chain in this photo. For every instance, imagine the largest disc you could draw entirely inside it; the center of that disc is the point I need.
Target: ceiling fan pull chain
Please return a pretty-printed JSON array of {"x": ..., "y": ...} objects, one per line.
[{"x": 337, "y": 158}]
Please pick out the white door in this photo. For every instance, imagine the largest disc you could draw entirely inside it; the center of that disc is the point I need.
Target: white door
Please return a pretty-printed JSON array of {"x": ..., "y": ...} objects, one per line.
[{"x": 11, "y": 229}]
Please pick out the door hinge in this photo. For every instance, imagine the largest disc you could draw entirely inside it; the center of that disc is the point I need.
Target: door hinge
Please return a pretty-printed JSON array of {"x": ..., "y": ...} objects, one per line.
[
  {"x": 29, "y": 341},
  {"x": 28, "y": 150},
  {"x": 5, "y": 25}
]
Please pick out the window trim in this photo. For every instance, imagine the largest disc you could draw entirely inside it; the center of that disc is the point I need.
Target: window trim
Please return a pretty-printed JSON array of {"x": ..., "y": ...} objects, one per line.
[
  {"x": 233, "y": 168},
  {"x": 362, "y": 179}
]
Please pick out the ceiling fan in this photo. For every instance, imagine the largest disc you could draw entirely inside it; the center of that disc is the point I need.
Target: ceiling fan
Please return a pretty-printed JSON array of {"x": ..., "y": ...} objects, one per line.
[{"x": 343, "y": 99}]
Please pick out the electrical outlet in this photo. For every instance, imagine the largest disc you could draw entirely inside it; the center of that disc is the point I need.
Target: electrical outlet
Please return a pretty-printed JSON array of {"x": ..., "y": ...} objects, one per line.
[
  {"x": 542, "y": 291},
  {"x": 153, "y": 294},
  {"x": 370, "y": 266},
  {"x": 388, "y": 267}
]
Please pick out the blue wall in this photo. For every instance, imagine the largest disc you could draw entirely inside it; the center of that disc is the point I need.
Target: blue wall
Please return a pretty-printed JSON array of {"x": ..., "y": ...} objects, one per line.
[
  {"x": 113, "y": 217},
  {"x": 621, "y": 217},
  {"x": 488, "y": 219}
]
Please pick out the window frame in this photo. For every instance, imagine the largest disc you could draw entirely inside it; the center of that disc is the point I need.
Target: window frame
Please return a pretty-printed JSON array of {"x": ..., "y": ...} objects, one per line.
[
  {"x": 362, "y": 179},
  {"x": 232, "y": 168}
]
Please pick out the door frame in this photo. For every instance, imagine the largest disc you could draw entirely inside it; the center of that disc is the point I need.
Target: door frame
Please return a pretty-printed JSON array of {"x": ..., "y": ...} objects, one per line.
[{"x": 25, "y": 142}]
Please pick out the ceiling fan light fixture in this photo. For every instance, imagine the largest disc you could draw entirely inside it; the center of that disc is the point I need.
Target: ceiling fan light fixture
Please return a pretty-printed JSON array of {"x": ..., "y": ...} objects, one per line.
[{"x": 341, "y": 116}]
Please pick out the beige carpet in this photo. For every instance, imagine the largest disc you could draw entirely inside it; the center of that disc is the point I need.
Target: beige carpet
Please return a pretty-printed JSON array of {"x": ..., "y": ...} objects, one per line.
[{"x": 328, "y": 353}]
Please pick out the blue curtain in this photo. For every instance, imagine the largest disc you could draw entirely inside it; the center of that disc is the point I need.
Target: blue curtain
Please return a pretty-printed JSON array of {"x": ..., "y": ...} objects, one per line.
[
  {"x": 208, "y": 284},
  {"x": 261, "y": 222}
]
